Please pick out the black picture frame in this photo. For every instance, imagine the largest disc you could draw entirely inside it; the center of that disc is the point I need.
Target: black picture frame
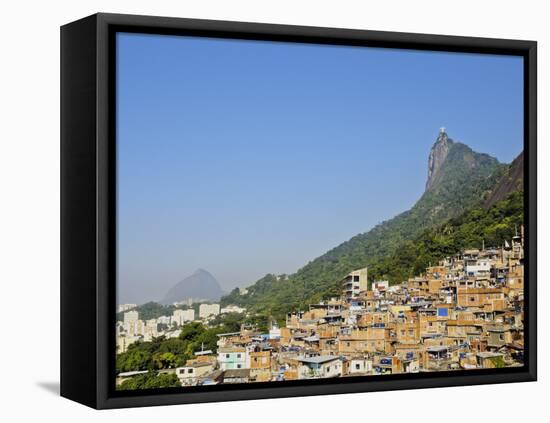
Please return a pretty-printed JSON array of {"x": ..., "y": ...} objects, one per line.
[{"x": 88, "y": 206}]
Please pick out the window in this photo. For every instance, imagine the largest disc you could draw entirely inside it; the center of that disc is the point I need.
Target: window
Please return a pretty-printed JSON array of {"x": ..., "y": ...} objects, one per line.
[
  {"x": 239, "y": 366},
  {"x": 227, "y": 356},
  {"x": 238, "y": 356},
  {"x": 357, "y": 366},
  {"x": 189, "y": 371},
  {"x": 356, "y": 279}
]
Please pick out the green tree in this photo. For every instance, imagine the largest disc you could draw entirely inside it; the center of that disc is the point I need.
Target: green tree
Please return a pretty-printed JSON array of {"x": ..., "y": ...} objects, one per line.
[
  {"x": 150, "y": 380},
  {"x": 191, "y": 331},
  {"x": 133, "y": 359},
  {"x": 165, "y": 360}
]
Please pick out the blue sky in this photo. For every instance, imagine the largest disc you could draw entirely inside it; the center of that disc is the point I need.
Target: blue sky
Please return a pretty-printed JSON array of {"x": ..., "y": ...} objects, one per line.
[{"x": 248, "y": 157}]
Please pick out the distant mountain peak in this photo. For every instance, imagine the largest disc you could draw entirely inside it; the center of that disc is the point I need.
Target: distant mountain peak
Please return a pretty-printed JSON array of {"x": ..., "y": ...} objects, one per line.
[
  {"x": 437, "y": 157},
  {"x": 199, "y": 285},
  {"x": 459, "y": 179}
]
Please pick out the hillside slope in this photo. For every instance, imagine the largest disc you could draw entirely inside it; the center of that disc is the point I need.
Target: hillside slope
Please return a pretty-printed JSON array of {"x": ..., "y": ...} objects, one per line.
[
  {"x": 458, "y": 179},
  {"x": 511, "y": 180},
  {"x": 478, "y": 227}
]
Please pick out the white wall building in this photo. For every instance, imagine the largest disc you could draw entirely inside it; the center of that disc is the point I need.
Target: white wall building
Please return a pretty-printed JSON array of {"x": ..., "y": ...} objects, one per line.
[
  {"x": 359, "y": 365},
  {"x": 232, "y": 309},
  {"x": 131, "y": 317},
  {"x": 319, "y": 366},
  {"x": 182, "y": 316},
  {"x": 206, "y": 310},
  {"x": 275, "y": 332},
  {"x": 476, "y": 267}
]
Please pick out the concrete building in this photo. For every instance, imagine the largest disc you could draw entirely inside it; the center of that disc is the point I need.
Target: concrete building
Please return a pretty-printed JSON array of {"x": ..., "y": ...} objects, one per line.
[
  {"x": 442, "y": 319},
  {"x": 260, "y": 365},
  {"x": 275, "y": 332},
  {"x": 207, "y": 310},
  {"x": 233, "y": 358},
  {"x": 190, "y": 374},
  {"x": 476, "y": 267},
  {"x": 233, "y": 309},
  {"x": 354, "y": 283},
  {"x": 360, "y": 365},
  {"x": 319, "y": 366},
  {"x": 131, "y": 317},
  {"x": 182, "y": 316}
]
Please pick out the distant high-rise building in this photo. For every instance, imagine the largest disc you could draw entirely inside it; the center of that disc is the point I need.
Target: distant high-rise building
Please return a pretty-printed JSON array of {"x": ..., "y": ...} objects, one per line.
[
  {"x": 206, "y": 310},
  {"x": 182, "y": 316},
  {"x": 131, "y": 317}
]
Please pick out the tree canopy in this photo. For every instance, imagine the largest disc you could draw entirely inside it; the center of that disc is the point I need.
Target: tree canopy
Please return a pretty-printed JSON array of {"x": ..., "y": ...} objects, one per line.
[{"x": 150, "y": 380}]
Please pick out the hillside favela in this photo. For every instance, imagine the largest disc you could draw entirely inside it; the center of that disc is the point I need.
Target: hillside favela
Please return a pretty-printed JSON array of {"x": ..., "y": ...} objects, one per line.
[{"x": 439, "y": 287}]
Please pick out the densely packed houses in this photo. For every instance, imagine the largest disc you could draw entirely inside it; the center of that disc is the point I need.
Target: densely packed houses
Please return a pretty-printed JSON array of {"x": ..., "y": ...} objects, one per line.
[{"x": 464, "y": 313}]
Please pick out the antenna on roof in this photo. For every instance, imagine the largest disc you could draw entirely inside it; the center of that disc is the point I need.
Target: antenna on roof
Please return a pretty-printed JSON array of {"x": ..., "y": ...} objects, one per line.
[{"x": 442, "y": 129}]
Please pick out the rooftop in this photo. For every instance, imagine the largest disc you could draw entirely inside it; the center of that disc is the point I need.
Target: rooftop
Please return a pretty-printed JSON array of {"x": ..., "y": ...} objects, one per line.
[
  {"x": 488, "y": 354},
  {"x": 231, "y": 349},
  {"x": 318, "y": 359},
  {"x": 133, "y": 373},
  {"x": 236, "y": 373}
]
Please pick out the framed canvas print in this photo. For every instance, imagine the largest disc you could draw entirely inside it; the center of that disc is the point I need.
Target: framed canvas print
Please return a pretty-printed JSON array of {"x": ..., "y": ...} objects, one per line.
[{"x": 259, "y": 211}]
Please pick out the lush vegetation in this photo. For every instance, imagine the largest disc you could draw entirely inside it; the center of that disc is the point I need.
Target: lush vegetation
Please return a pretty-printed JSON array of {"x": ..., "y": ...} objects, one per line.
[
  {"x": 150, "y": 380},
  {"x": 498, "y": 362},
  {"x": 464, "y": 181},
  {"x": 472, "y": 229}
]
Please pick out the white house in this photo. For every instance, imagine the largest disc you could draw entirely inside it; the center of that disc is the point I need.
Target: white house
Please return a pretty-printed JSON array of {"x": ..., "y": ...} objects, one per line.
[
  {"x": 319, "y": 366},
  {"x": 360, "y": 365},
  {"x": 232, "y": 309},
  {"x": 189, "y": 375},
  {"x": 475, "y": 267},
  {"x": 275, "y": 332}
]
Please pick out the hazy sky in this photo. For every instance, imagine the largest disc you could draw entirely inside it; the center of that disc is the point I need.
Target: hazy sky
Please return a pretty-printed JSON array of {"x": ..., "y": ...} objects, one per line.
[{"x": 247, "y": 157}]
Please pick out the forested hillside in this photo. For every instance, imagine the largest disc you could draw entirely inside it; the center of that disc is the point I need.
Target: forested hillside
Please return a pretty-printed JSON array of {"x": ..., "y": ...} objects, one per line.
[{"x": 462, "y": 182}]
